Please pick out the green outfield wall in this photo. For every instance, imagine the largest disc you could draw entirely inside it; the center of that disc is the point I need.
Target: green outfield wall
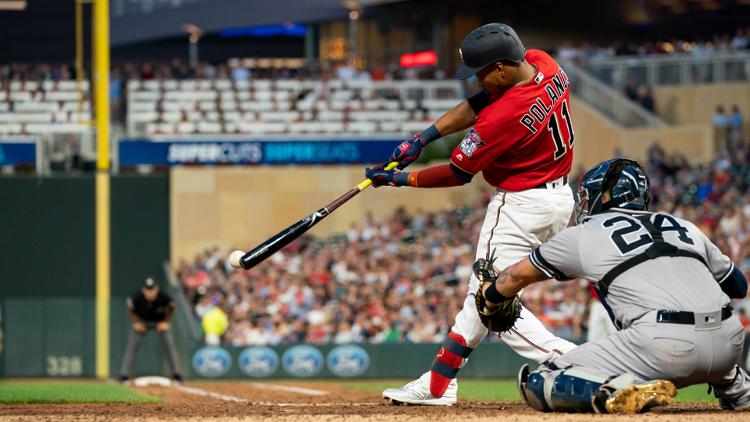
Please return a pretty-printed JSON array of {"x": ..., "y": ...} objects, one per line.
[
  {"x": 47, "y": 270},
  {"x": 387, "y": 360}
]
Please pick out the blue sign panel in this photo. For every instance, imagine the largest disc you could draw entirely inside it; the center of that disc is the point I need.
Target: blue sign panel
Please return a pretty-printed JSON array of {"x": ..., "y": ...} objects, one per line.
[
  {"x": 212, "y": 361},
  {"x": 302, "y": 361},
  {"x": 348, "y": 361},
  {"x": 255, "y": 152},
  {"x": 259, "y": 361},
  {"x": 14, "y": 153}
]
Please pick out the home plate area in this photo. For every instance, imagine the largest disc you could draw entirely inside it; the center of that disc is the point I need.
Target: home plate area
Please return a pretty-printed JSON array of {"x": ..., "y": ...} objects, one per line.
[{"x": 313, "y": 400}]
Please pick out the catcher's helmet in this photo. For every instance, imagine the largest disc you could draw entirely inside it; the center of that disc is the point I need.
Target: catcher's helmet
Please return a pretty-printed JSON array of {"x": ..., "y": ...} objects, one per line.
[{"x": 626, "y": 182}]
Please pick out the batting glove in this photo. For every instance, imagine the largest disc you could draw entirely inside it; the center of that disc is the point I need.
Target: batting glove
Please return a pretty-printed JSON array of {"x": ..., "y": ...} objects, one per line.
[
  {"x": 382, "y": 177},
  {"x": 408, "y": 151}
]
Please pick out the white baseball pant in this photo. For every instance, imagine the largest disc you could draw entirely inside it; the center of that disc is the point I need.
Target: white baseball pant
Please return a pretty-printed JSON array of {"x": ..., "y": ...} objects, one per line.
[{"x": 515, "y": 224}]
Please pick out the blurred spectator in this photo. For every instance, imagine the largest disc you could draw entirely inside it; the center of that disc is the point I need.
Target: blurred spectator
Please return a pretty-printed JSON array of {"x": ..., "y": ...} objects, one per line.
[
  {"x": 631, "y": 89},
  {"x": 720, "y": 122},
  {"x": 740, "y": 40},
  {"x": 646, "y": 98},
  {"x": 240, "y": 74},
  {"x": 214, "y": 323},
  {"x": 735, "y": 124}
]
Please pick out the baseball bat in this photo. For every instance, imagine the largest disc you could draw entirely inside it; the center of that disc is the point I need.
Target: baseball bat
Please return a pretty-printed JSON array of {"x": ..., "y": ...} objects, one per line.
[{"x": 284, "y": 237}]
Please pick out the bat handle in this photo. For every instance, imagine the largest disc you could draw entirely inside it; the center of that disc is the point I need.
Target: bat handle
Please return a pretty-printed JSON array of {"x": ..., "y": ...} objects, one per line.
[{"x": 367, "y": 182}]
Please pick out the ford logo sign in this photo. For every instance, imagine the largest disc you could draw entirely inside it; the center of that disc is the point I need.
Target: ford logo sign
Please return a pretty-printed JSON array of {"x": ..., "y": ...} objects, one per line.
[
  {"x": 348, "y": 361},
  {"x": 212, "y": 362},
  {"x": 259, "y": 361},
  {"x": 302, "y": 361}
]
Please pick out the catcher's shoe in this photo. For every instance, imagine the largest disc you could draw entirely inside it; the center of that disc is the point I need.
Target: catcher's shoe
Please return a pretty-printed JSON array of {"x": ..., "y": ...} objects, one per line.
[
  {"x": 418, "y": 392},
  {"x": 743, "y": 403},
  {"x": 638, "y": 398}
]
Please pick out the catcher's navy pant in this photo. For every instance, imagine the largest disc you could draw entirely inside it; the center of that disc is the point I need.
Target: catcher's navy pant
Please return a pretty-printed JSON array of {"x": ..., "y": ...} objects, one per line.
[{"x": 134, "y": 340}]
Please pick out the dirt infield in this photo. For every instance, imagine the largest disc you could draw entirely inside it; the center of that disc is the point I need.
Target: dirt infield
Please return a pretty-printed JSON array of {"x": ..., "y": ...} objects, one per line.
[{"x": 225, "y": 401}]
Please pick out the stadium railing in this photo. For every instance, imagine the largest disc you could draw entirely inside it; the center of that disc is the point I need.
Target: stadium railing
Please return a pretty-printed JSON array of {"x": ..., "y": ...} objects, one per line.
[
  {"x": 672, "y": 69},
  {"x": 608, "y": 101}
]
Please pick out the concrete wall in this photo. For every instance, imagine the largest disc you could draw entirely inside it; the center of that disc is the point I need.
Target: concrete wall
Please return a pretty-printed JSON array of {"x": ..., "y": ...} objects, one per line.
[
  {"x": 598, "y": 138},
  {"x": 696, "y": 104},
  {"x": 242, "y": 206}
]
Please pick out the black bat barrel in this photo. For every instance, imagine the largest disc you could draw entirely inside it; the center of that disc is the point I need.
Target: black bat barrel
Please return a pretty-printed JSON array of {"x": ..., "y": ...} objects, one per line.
[{"x": 281, "y": 239}]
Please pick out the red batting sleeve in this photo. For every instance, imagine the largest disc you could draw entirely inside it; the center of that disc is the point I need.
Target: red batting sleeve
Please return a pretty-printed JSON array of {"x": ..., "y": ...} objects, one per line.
[{"x": 435, "y": 177}]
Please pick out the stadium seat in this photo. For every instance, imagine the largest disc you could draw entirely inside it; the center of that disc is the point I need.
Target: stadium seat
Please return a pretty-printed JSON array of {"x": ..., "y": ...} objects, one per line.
[
  {"x": 171, "y": 116},
  {"x": 142, "y": 106},
  {"x": 11, "y": 128},
  {"x": 263, "y": 106},
  {"x": 279, "y": 116},
  {"x": 331, "y": 115},
  {"x": 333, "y": 127},
  {"x": 362, "y": 127},
  {"x": 185, "y": 127},
  {"x": 33, "y": 117},
  {"x": 228, "y": 105},
  {"x": 170, "y": 85},
  {"x": 223, "y": 84},
  {"x": 35, "y": 106},
  {"x": 207, "y": 106},
  {"x": 209, "y": 127}
]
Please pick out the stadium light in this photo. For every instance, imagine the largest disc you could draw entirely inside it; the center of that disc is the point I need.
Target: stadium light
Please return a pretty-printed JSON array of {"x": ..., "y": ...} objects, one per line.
[{"x": 420, "y": 58}]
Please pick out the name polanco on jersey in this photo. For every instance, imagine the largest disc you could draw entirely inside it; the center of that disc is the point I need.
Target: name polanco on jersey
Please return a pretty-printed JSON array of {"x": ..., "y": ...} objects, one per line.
[{"x": 540, "y": 110}]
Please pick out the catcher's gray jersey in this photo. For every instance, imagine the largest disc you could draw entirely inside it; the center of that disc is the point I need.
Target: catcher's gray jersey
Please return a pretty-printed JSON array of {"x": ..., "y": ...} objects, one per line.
[{"x": 592, "y": 249}]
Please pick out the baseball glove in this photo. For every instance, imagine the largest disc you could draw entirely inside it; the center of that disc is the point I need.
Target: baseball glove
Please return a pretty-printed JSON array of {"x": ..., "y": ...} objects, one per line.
[{"x": 497, "y": 318}]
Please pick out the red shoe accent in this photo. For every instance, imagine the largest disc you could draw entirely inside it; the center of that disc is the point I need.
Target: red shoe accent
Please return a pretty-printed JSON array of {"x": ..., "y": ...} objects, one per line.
[{"x": 439, "y": 383}]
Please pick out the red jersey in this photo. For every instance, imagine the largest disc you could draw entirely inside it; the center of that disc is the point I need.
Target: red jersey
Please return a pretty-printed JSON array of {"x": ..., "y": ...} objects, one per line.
[{"x": 525, "y": 137}]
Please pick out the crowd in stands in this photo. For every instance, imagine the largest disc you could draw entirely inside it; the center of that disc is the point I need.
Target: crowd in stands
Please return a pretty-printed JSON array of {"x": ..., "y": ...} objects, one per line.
[
  {"x": 403, "y": 278},
  {"x": 153, "y": 117},
  {"x": 700, "y": 47}
]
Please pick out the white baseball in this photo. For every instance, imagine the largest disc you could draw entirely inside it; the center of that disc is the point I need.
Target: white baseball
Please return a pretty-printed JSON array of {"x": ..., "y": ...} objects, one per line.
[{"x": 234, "y": 259}]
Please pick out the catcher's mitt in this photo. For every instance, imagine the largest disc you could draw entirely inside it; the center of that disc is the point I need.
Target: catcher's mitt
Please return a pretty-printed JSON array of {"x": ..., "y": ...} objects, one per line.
[{"x": 498, "y": 318}]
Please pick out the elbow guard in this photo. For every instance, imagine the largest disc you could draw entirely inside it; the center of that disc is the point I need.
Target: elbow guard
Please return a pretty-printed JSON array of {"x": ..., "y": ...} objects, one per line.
[
  {"x": 478, "y": 101},
  {"x": 734, "y": 284}
]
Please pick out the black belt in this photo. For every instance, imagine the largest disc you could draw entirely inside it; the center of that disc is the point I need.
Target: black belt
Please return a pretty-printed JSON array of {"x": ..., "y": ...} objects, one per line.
[
  {"x": 544, "y": 185},
  {"x": 682, "y": 317}
]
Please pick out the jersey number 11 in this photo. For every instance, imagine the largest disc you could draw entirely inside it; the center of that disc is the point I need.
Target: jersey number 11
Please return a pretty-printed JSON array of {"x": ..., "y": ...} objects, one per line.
[{"x": 554, "y": 127}]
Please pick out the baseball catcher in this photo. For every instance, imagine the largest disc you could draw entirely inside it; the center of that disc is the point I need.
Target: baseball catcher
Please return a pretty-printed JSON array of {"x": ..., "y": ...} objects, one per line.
[{"x": 666, "y": 287}]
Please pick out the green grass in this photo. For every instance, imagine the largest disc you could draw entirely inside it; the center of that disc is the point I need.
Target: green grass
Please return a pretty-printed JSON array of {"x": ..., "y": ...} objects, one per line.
[
  {"x": 506, "y": 389},
  {"x": 69, "y": 392}
]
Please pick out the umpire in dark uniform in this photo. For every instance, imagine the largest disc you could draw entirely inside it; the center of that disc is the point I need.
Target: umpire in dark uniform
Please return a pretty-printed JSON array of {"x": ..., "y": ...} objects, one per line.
[{"x": 150, "y": 309}]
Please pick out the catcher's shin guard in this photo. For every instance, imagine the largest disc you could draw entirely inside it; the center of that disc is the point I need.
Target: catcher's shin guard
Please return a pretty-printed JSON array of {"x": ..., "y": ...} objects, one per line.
[
  {"x": 447, "y": 362},
  {"x": 549, "y": 389}
]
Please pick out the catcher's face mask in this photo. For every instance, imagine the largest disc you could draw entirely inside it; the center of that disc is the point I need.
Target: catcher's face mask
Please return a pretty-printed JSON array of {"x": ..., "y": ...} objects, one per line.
[{"x": 583, "y": 205}]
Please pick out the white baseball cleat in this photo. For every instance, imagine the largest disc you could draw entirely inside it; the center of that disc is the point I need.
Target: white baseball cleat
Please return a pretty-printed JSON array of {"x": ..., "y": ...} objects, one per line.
[{"x": 418, "y": 392}]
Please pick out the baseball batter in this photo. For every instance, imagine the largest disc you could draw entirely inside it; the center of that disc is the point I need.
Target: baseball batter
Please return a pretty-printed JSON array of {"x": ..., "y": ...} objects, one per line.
[
  {"x": 667, "y": 288},
  {"x": 522, "y": 142}
]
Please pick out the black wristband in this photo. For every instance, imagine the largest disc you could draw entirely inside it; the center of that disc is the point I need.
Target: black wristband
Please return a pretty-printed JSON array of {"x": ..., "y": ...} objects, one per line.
[
  {"x": 493, "y": 296},
  {"x": 429, "y": 135}
]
